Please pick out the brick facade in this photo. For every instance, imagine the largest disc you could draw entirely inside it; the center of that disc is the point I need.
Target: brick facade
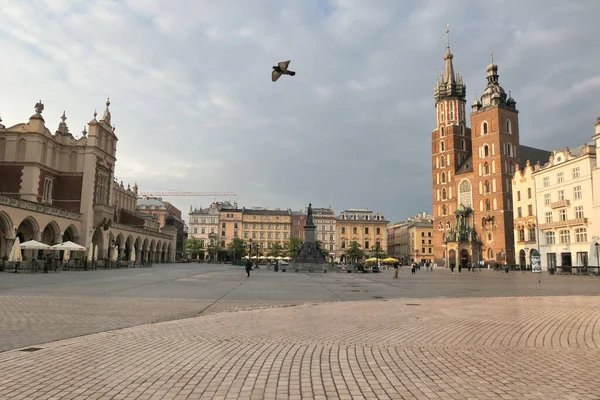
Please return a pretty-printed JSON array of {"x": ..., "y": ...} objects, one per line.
[{"x": 11, "y": 179}]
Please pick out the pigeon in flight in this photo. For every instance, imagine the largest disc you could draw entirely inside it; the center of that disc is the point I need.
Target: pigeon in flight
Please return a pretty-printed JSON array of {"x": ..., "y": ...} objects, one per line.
[{"x": 281, "y": 69}]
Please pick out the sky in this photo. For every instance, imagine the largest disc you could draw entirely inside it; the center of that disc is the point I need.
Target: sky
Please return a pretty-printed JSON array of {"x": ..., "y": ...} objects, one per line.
[{"x": 195, "y": 109}]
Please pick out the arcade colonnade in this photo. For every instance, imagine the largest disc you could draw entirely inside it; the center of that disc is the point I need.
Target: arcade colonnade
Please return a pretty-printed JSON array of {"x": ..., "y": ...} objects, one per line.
[{"x": 119, "y": 242}]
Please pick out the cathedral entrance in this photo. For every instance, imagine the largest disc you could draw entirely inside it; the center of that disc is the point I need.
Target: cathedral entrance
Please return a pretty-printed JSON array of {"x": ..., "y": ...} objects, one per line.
[{"x": 464, "y": 257}]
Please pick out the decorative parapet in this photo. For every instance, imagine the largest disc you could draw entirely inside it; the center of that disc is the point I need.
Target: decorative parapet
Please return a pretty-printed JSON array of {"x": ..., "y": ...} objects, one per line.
[
  {"x": 39, "y": 207},
  {"x": 564, "y": 224},
  {"x": 142, "y": 231},
  {"x": 560, "y": 204}
]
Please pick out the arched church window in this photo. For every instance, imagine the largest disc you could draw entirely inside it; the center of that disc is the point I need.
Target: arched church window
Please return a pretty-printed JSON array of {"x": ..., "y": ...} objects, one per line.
[
  {"x": 463, "y": 145},
  {"x": 465, "y": 193},
  {"x": 488, "y": 206},
  {"x": 440, "y": 226},
  {"x": 443, "y": 177},
  {"x": 444, "y": 210},
  {"x": 443, "y": 161},
  {"x": 442, "y": 146},
  {"x": 448, "y": 226},
  {"x": 462, "y": 130},
  {"x": 483, "y": 222},
  {"x": 508, "y": 126},
  {"x": 444, "y": 197},
  {"x": 490, "y": 254},
  {"x": 441, "y": 131},
  {"x": 484, "y": 128},
  {"x": 451, "y": 111},
  {"x": 486, "y": 150},
  {"x": 486, "y": 168},
  {"x": 486, "y": 186}
]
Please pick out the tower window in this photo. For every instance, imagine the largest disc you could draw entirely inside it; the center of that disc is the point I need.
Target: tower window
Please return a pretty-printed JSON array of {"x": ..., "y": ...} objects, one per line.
[
  {"x": 508, "y": 126},
  {"x": 486, "y": 168},
  {"x": 486, "y": 151},
  {"x": 487, "y": 205},
  {"x": 463, "y": 145},
  {"x": 443, "y": 177},
  {"x": 484, "y": 128},
  {"x": 487, "y": 187},
  {"x": 442, "y": 146},
  {"x": 451, "y": 111},
  {"x": 462, "y": 130},
  {"x": 441, "y": 131},
  {"x": 443, "y": 161},
  {"x": 444, "y": 196}
]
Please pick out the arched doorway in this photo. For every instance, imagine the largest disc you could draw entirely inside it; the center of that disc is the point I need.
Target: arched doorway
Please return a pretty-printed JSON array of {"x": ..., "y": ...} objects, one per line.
[
  {"x": 51, "y": 234},
  {"x": 6, "y": 228},
  {"x": 464, "y": 257},
  {"x": 522, "y": 257},
  {"x": 452, "y": 257},
  {"x": 98, "y": 243},
  {"x": 28, "y": 230},
  {"x": 128, "y": 249},
  {"x": 70, "y": 235}
]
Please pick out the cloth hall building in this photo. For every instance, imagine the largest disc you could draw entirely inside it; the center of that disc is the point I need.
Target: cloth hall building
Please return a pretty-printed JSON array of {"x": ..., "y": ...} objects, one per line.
[{"x": 472, "y": 170}]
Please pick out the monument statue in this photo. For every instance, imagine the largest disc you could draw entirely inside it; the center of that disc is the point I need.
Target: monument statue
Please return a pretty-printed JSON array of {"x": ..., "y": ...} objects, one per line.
[{"x": 310, "y": 256}]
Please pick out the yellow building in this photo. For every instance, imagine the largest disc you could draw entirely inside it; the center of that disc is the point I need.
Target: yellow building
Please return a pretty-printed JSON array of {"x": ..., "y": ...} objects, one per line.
[
  {"x": 363, "y": 226},
  {"x": 420, "y": 234},
  {"x": 400, "y": 245},
  {"x": 266, "y": 227},
  {"x": 230, "y": 219}
]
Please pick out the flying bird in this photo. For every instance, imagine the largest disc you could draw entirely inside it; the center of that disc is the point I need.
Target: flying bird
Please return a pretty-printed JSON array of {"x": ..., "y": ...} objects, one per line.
[{"x": 281, "y": 69}]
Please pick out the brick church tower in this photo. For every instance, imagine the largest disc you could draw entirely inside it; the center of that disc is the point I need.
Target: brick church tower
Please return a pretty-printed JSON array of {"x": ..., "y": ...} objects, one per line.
[
  {"x": 450, "y": 148},
  {"x": 495, "y": 125},
  {"x": 472, "y": 171}
]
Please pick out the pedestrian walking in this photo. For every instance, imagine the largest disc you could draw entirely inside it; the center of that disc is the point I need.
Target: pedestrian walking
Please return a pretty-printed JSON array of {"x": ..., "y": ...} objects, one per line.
[
  {"x": 459, "y": 268},
  {"x": 248, "y": 267},
  {"x": 452, "y": 268},
  {"x": 396, "y": 267},
  {"x": 414, "y": 267}
]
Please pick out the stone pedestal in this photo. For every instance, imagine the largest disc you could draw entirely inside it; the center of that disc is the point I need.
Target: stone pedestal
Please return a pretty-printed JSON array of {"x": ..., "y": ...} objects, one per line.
[{"x": 310, "y": 258}]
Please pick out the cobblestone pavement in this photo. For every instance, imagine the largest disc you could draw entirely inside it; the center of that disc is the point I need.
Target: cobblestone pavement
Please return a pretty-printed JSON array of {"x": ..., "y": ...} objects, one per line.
[
  {"x": 42, "y": 308},
  {"x": 493, "y": 348}
]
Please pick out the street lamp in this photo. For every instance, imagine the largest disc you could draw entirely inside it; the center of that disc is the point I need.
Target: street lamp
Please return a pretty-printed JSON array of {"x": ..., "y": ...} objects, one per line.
[{"x": 250, "y": 255}]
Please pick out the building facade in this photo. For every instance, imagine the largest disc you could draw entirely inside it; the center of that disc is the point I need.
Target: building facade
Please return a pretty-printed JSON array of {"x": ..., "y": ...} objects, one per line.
[
  {"x": 565, "y": 207},
  {"x": 472, "y": 170},
  {"x": 363, "y": 226},
  {"x": 165, "y": 210},
  {"x": 324, "y": 219},
  {"x": 420, "y": 235},
  {"x": 204, "y": 224},
  {"x": 56, "y": 187},
  {"x": 266, "y": 227},
  {"x": 526, "y": 216},
  {"x": 298, "y": 219},
  {"x": 399, "y": 241}
]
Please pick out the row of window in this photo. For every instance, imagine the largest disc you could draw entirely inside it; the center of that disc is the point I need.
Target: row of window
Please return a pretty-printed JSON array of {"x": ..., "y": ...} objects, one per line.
[
  {"x": 487, "y": 205},
  {"x": 441, "y": 108},
  {"x": 261, "y": 235},
  {"x": 560, "y": 177},
  {"x": 366, "y": 217},
  {"x": 366, "y": 230},
  {"x": 366, "y": 245},
  {"x": 462, "y": 131},
  {"x": 577, "y": 195},
  {"x": 508, "y": 150},
  {"x": 528, "y": 194},
  {"x": 564, "y": 236},
  {"x": 563, "y": 214},
  {"x": 529, "y": 211},
  {"x": 531, "y": 234}
]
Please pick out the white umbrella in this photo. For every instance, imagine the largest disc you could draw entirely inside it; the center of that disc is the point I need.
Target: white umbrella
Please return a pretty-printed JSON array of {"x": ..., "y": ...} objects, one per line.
[
  {"x": 115, "y": 253},
  {"x": 280, "y": 258},
  {"x": 15, "y": 252},
  {"x": 68, "y": 246},
  {"x": 34, "y": 245}
]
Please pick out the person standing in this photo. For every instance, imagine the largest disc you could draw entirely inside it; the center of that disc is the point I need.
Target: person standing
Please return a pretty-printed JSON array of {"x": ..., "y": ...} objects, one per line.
[
  {"x": 396, "y": 267},
  {"x": 248, "y": 267}
]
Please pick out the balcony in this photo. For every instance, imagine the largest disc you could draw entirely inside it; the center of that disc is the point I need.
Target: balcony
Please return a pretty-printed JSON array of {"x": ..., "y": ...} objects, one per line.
[
  {"x": 560, "y": 204},
  {"x": 564, "y": 224}
]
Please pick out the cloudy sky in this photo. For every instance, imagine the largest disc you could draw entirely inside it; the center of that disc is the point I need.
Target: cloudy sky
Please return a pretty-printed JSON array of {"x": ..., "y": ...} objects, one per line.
[{"x": 195, "y": 109}]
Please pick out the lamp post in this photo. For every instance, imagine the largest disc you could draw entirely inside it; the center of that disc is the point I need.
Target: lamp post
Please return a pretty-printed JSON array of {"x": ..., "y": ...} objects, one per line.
[
  {"x": 250, "y": 252},
  {"x": 597, "y": 257}
]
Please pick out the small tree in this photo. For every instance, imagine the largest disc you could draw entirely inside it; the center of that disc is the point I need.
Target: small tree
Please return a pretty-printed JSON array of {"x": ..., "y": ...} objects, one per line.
[
  {"x": 378, "y": 253},
  {"x": 237, "y": 248},
  {"x": 294, "y": 246},
  {"x": 193, "y": 247},
  {"x": 354, "y": 252},
  {"x": 214, "y": 246},
  {"x": 276, "y": 250}
]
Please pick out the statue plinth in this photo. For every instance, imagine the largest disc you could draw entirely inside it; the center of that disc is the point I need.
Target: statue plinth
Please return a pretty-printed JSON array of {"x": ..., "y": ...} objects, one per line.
[{"x": 310, "y": 257}]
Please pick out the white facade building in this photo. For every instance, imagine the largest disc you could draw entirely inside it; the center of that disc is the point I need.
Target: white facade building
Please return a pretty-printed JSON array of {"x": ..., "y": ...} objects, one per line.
[
  {"x": 565, "y": 207},
  {"x": 525, "y": 216}
]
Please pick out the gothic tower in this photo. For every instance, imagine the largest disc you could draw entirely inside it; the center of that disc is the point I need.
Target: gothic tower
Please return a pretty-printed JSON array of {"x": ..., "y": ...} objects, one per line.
[
  {"x": 450, "y": 148},
  {"x": 494, "y": 121}
]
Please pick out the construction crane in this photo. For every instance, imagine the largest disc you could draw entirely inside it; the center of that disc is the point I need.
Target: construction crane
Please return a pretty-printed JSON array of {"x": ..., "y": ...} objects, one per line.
[{"x": 192, "y": 194}]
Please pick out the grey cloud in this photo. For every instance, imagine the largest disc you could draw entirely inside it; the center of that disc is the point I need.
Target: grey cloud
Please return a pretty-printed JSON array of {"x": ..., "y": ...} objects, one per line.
[{"x": 195, "y": 109}]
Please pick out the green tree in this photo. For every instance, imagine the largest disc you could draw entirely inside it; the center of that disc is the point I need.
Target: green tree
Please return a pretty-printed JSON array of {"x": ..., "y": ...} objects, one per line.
[
  {"x": 294, "y": 246},
  {"x": 354, "y": 252},
  {"x": 377, "y": 252},
  {"x": 193, "y": 247},
  {"x": 276, "y": 250},
  {"x": 324, "y": 251},
  {"x": 237, "y": 248},
  {"x": 214, "y": 246}
]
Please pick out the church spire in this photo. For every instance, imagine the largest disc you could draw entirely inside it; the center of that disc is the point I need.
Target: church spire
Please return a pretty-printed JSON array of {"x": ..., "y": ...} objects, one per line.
[
  {"x": 449, "y": 75},
  {"x": 450, "y": 84}
]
